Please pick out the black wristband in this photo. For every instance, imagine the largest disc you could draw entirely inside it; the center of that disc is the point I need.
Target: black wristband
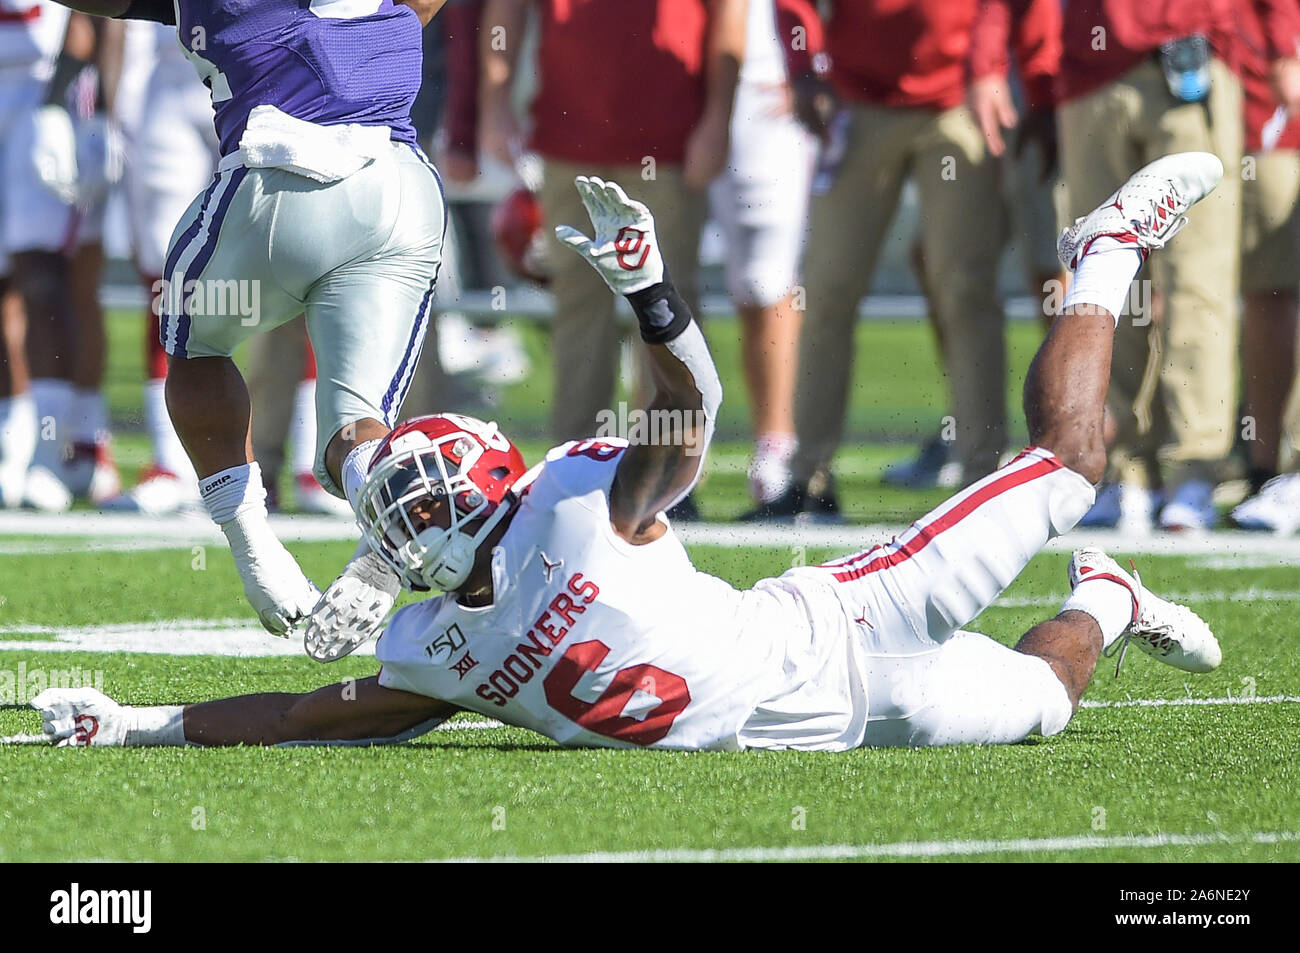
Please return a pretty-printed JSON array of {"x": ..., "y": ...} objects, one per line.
[
  {"x": 660, "y": 311},
  {"x": 66, "y": 70}
]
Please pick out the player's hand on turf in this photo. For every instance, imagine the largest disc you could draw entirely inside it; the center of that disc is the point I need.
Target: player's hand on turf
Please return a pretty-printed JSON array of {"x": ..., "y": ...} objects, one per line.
[
  {"x": 100, "y": 158},
  {"x": 54, "y": 151},
  {"x": 625, "y": 250},
  {"x": 81, "y": 717}
]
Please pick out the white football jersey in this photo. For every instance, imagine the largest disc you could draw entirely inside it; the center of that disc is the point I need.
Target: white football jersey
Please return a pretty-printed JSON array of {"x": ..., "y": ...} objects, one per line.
[{"x": 595, "y": 642}]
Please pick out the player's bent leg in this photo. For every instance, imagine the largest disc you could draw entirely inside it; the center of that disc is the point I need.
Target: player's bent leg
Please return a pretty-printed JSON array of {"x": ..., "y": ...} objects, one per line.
[
  {"x": 951, "y": 564},
  {"x": 970, "y": 690}
]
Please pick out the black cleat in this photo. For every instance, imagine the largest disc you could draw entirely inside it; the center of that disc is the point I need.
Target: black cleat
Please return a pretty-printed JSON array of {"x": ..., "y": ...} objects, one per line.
[{"x": 797, "y": 504}]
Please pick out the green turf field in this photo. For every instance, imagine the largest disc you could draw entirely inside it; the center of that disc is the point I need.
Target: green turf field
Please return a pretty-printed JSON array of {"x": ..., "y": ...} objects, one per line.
[{"x": 1127, "y": 780}]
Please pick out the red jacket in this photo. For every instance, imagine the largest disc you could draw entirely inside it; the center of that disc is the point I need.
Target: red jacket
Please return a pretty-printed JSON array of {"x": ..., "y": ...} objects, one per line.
[
  {"x": 1033, "y": 29},
  {"x": 920, "y": 53},
  {"x": 619, "y": 80},
  {"x": 1104, "y": 39}
]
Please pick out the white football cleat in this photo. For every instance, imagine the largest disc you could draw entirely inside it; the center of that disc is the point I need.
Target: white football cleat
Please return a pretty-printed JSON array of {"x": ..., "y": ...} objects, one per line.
[
  {"x": 352, "y": 609},
  {"x": 1274, "y": 509},
  {"x": 1166, "y": 631},
  {"x": 279, "y": 592},
  {"x": 311, "y": 497},
  {"x": 1147, "y": 211},
  {"x": 81, "y": 717}
]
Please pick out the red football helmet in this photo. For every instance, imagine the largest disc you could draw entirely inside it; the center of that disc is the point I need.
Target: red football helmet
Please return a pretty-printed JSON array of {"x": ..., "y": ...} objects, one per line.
[
  {"x": 428, "y": 480},
  {"x": 517, "y": 231}
]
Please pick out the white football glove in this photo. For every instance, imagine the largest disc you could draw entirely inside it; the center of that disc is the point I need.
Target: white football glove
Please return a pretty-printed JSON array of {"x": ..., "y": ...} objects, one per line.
[
  {"x": 100, "y": 158},
  {"x": 82, "y": 717},
  {"x": 54, "y": 151},
  {"x": 626, "y": 250}
]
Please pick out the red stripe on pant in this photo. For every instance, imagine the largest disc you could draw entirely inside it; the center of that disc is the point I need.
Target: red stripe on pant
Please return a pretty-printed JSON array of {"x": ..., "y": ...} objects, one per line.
[{"x": 954, "y": 516}]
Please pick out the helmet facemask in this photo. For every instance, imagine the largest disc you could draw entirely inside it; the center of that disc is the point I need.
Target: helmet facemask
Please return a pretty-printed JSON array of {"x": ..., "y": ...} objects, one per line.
[{"x": 418, "y": 506}]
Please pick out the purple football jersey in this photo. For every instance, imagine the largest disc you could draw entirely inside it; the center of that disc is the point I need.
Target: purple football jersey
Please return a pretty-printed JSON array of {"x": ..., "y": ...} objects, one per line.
[{"x": 325, "y": 61}]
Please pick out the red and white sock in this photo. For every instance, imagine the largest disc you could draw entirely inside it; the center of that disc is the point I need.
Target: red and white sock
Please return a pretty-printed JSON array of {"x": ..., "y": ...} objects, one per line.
[{"x": 1104, "y": 274}]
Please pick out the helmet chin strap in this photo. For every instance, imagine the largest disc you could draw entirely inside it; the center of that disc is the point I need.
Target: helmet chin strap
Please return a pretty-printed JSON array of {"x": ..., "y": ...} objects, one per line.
[{"x": 456, "y": 561}]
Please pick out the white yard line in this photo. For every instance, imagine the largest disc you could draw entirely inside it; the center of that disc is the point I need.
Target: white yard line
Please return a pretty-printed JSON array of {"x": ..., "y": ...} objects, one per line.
[
  {"x": 902, "y": 849},
  {"x": 108, "y": 531}
]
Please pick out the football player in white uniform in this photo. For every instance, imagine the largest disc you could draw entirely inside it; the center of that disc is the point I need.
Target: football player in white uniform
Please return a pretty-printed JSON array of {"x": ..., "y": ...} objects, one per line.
[{"x": 570, "y": 608}]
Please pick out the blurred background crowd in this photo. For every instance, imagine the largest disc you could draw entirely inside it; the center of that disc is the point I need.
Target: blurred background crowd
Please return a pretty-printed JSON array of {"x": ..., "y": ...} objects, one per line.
[{"x": 799, "y": 156}]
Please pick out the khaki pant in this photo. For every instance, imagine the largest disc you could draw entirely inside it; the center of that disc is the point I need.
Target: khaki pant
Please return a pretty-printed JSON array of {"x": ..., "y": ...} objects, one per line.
[
  {"x": 585, "y": 335},
  {"x": 1173, "y": 382},
  {"x": 1270, "y": 252},
  {"x": 961, "y": 230}
]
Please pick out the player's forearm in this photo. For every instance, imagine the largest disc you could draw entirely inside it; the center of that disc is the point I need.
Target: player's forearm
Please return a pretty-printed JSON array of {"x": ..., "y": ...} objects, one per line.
[
  {"x": 261, "y": 719},
  {"x": 350, "y": 712},
  {"x": 500, "y": 36},
  {"x": 686, "y": 400}
]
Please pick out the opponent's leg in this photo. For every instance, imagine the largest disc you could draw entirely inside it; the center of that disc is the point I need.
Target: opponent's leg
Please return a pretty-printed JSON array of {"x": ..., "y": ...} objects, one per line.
[{"x": 218, "y": 291}]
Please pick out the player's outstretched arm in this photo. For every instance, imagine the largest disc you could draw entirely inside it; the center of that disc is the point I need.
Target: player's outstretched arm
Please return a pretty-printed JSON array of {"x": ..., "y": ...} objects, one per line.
[
  {"x": 654, "y": 474},
  {"x": 360, "y": 712}
]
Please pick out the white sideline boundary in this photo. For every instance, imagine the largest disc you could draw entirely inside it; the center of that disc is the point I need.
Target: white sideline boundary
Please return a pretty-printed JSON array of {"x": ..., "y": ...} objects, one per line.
[
  {"x": 114, "y": 531},
  {"x": 901, "y": 849}
]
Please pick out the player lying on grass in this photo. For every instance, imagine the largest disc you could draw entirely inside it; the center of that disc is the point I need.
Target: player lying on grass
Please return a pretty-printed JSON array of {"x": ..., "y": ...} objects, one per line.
[{"x": 570, "y": 608}]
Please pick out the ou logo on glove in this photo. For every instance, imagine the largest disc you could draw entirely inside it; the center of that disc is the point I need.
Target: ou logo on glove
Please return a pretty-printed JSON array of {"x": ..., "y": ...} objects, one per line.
[
  {"x": 629, "y": 243},
  {"x": 87, "y": 728}
]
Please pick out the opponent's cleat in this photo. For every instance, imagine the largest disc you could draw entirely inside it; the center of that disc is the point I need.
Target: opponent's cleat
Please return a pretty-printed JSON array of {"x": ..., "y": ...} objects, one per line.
[
  {"x": 311, "y": 497},
  {"x": 81, "y": 717},
  {"x": 45, "y": 492},
  {"x": 1166, "y": 631},
  {"x": 1274, "y": 509},
  {"x": 158, "y": 493},
  {"x": 352, "y": 609},
  {"x": 273, "y": 581},
  {"x": 1148, "y": 210}
]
